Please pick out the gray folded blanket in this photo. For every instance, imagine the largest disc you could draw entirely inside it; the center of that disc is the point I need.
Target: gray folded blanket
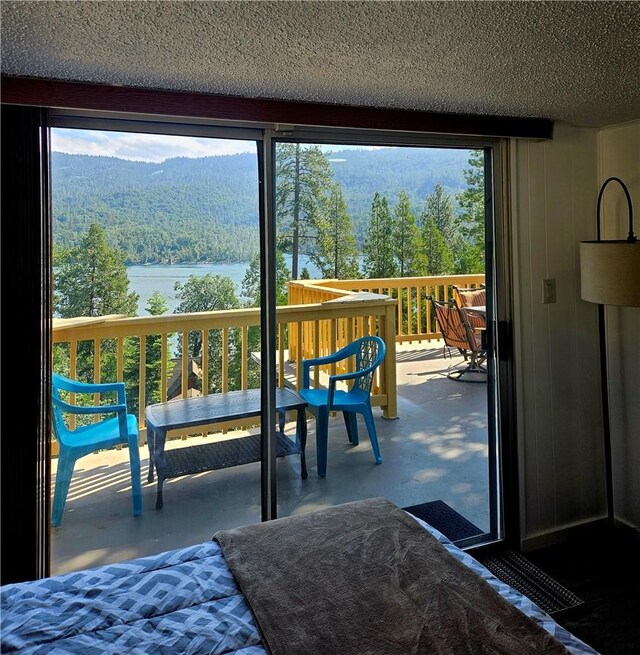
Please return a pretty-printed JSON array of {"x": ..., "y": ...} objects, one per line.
[{"x": 364, "y": 578}]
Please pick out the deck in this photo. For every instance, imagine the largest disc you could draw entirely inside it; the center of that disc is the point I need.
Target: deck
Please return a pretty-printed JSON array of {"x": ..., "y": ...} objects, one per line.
[{"x": 436, "y": 449}]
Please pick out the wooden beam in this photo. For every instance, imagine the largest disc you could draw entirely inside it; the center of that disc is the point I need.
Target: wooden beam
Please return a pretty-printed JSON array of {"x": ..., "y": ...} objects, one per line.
[{"x": 100, "y": 97}]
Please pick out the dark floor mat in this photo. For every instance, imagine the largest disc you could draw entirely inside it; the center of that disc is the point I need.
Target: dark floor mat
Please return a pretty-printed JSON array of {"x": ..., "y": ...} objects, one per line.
[{"x": 445, "y": 519}]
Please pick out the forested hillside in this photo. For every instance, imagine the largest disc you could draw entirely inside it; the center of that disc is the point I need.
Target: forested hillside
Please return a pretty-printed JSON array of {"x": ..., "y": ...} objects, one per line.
[{"x": 205, "y": 210}]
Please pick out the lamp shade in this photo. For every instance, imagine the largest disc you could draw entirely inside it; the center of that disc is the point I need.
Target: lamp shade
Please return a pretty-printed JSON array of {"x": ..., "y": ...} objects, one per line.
[{"x": 610, "y": 272}]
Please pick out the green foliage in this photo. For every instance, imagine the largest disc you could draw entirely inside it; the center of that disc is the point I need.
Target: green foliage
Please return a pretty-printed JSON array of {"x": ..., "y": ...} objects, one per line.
[
  {"x": 469, "y": 258},
  {"x": 180, "y": 211},
  {"x": 206, "y": 210},
  {"x": 378, "y": 247},
  {"x": 157, "y": 304},
  {"x": 251, "y": 281},
  {"x": 439, "y": 207},
  {"x": 439, "y": 255},
  {"x": 91, "y": 279},
  {"x": 407, "y": 240},
  {"x": 208, "y": 293},
  {"x": 336, "y": 251}
]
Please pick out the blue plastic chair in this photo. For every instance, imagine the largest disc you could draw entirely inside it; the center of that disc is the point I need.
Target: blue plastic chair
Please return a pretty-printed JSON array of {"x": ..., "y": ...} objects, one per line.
[
  {"x": 109, "y": 432},
  {"x": 369, "y": 353}
]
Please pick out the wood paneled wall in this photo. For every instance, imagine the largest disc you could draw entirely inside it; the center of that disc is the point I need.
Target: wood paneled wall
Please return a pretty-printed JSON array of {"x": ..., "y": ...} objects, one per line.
[
  {"x": 619, "y": 155},
  {"x": 554, "y": 192}
]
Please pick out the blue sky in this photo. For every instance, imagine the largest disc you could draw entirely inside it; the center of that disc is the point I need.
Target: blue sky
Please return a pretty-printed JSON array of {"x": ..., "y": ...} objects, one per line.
[{"x": 146, "y": 147}]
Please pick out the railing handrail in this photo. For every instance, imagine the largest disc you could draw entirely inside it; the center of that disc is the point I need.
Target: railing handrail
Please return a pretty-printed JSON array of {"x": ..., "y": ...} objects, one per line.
[{"x": 224, "y": 318}]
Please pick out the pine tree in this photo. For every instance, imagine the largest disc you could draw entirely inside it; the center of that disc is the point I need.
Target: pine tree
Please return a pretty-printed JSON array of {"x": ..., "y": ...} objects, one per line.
[
  {"x": 439, "y": 256},
  {"x": 439, "y": 207},
  {"x": 336, "y": 251},
  {"x": 407, "y": 240},
  {"x": 303, "y": 181},
  {"x": 91, "y": 279},
  {"x": 378, "y": 247},
  {"x": 472, "y": 204},
  {"x": 207, "y": 293}
]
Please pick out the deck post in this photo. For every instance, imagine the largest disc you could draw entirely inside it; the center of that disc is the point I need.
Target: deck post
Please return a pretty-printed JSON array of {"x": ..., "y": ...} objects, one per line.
[{"x": 390, "y": 410}]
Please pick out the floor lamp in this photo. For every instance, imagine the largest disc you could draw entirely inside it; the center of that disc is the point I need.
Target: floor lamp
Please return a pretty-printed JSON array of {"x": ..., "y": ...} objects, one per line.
[{"x": 610, "y": 274}]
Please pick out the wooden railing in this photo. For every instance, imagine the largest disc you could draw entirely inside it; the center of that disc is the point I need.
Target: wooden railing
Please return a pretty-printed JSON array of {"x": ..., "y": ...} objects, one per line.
[
  {"x": 321, "y": 328},
  {"x": 415, "y": 320}
]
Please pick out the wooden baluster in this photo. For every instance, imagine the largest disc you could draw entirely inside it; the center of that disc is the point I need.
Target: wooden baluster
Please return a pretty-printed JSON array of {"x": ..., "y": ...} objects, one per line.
[
  {"x": 205, "y": 362},
  {"x": 244, "y": 341},
  {"x": 225, "y": 360}
]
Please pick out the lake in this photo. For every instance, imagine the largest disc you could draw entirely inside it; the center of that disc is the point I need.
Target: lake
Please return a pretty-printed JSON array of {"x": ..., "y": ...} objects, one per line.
[{"x": 144, "y": 280}]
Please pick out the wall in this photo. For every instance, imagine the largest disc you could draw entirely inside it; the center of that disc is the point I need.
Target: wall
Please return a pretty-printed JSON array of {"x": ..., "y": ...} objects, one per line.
[
  {"x": 619, "y": 155},
  {"x": 553, "y": 203}
]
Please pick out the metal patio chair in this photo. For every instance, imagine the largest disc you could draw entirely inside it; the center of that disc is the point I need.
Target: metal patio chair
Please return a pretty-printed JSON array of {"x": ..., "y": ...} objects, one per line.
[{"x": 458, "y": 333}]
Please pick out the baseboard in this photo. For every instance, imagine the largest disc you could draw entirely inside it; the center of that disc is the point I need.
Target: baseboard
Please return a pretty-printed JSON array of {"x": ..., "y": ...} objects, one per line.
[
  {"x": 561, "y": 535},
  {"x": 578, "y": 531}
]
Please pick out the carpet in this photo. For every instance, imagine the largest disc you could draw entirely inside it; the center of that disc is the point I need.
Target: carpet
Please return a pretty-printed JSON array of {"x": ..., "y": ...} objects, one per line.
[
  {"x": 445, "y": 519},
  {"x": 517, "y": 571}
]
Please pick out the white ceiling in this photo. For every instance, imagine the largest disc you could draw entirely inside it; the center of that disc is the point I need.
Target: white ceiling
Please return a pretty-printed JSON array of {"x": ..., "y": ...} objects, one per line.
[{"x": 578, "y": 62}]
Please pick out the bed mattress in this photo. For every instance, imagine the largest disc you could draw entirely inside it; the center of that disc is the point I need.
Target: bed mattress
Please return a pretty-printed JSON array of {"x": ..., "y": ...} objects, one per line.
[{"x": 184, "y": 601}]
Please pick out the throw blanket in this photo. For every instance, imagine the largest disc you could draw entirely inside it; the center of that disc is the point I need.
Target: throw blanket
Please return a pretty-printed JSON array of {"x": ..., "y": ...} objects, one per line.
[{"x": 364, "y": 578}]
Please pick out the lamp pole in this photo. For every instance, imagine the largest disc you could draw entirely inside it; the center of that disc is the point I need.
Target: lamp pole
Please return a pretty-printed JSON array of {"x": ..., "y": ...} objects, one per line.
[{"x": 604, "y": 376}]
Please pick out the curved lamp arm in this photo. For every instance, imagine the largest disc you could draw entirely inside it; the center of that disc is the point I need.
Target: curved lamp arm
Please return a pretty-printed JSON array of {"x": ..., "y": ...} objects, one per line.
[{"x": 632, "y": 237}]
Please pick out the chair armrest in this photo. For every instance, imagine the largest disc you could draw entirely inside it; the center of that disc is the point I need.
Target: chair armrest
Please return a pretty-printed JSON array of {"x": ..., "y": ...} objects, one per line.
[
  {"x": 347, "y": 376},
  {"x": 318, "y": 361}
]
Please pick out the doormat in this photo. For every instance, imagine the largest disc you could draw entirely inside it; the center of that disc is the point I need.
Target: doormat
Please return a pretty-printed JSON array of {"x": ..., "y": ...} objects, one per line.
[
  {"x": 445, "y": 519},
  {"x": 517, "y": 571}
]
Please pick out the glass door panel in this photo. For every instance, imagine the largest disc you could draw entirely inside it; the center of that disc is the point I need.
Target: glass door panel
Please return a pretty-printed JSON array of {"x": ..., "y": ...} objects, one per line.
[{"x": 372, "y": 238}]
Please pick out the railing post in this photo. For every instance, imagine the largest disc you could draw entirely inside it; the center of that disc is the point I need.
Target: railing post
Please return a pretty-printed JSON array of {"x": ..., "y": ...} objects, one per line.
[{"x": 390, "y": 410}]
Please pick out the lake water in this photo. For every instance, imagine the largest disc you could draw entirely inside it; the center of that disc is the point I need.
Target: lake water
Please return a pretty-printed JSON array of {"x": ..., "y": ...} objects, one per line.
[{"x": 144, "y": 280}]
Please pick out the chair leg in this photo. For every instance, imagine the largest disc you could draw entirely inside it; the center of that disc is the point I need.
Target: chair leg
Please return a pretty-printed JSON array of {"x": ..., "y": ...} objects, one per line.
[
  {"x": 136, "y": 485},
  {"x": 371, "y": 427},
  {"x": 322, "y": 431},
  {"x": 350, "y": 420},
  {"x": 63, "y": 480}
]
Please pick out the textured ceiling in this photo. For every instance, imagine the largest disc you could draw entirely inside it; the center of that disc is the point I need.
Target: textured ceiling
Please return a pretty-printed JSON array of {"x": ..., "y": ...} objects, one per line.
[{"x": 578, "y": 62}]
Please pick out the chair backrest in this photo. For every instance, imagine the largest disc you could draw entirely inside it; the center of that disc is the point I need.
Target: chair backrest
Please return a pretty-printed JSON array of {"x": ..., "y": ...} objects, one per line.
[
  {"x": 369, "y": 352},
  {"x": 61, "y": 406},
  {"x": 455, "y": 328},
  {"x": 60, "y": 429},
  {"x": 471, "y": 297}
]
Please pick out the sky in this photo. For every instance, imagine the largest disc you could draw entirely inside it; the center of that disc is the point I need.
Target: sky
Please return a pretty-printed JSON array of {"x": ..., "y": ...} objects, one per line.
[{"x": 146, "y": 147}]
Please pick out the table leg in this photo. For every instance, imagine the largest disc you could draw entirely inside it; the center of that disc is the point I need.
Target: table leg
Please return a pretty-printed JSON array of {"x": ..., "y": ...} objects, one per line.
[
  {"x": 151, "y": 441},
  {"x": 301, "y": 437},
  {"x": 160, "y": 463}
]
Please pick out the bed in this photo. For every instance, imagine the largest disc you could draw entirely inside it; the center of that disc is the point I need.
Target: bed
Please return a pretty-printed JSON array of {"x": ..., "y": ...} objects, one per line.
[{"x": 188, "y": 601}]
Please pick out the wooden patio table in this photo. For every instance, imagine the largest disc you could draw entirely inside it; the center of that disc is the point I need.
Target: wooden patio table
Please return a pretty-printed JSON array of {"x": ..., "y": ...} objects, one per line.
[{"x": 217, "y": 408}]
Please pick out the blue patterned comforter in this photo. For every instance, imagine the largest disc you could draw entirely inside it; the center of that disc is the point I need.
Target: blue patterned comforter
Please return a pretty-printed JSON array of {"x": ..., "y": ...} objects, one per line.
[{"x": 182, "y": 602}]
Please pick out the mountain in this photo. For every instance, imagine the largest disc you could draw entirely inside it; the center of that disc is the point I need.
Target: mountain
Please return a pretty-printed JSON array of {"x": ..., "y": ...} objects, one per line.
[{"x": 197, "y": 210}]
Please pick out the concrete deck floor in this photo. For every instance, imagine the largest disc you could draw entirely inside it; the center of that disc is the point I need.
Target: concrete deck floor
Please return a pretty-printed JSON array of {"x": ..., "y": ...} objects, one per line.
[{"x": 436, "y": 449}]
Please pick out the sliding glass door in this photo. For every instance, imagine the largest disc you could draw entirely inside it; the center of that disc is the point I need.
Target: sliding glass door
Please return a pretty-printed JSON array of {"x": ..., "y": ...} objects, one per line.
[{"x": 195, "y": 262}]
